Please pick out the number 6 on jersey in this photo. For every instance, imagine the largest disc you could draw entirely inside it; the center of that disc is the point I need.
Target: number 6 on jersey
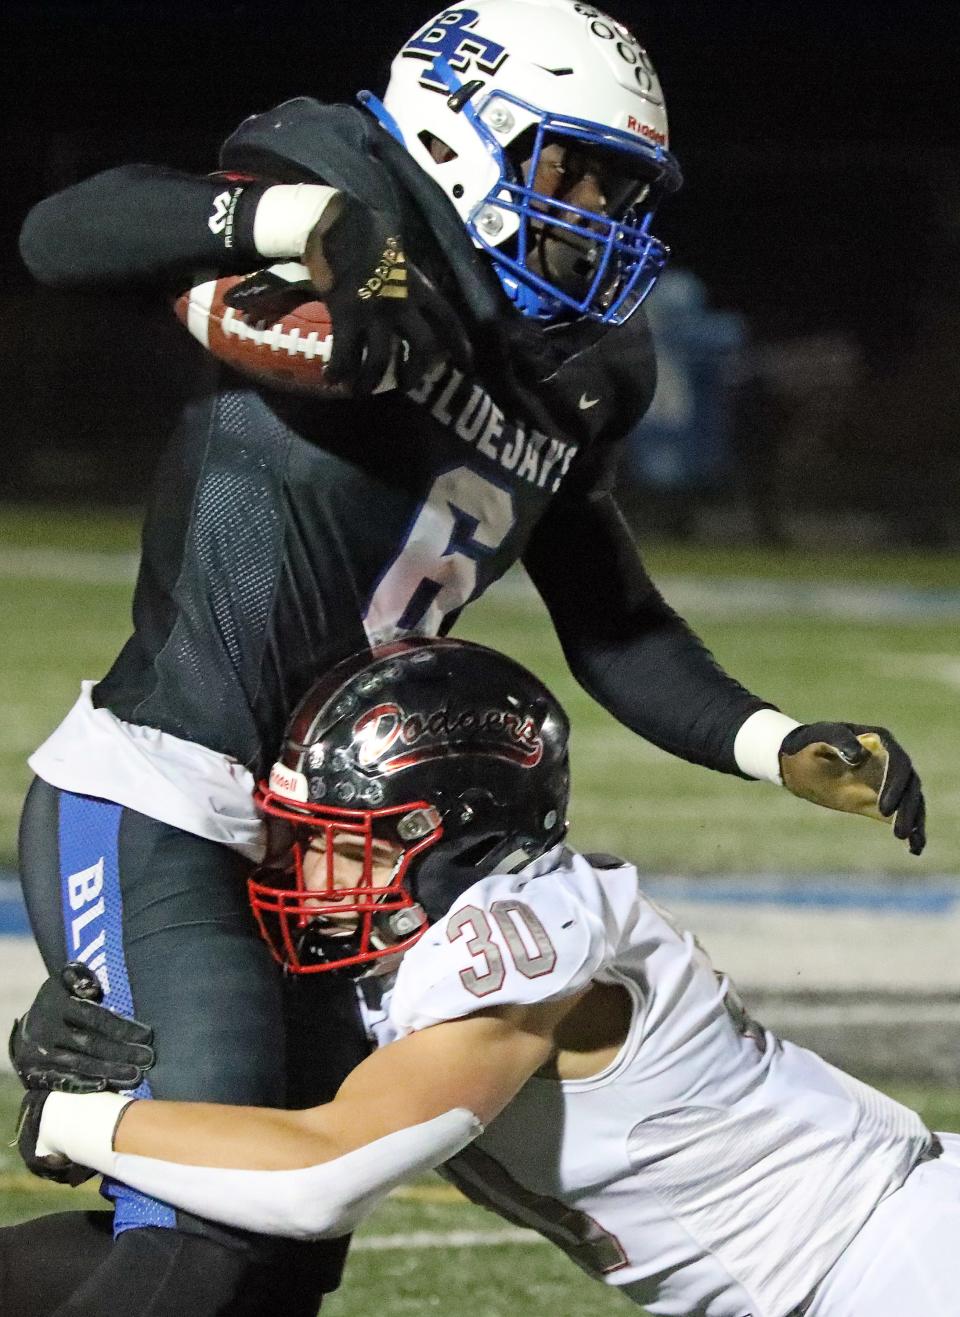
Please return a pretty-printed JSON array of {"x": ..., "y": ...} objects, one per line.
[{"x": 464, "y": 518}]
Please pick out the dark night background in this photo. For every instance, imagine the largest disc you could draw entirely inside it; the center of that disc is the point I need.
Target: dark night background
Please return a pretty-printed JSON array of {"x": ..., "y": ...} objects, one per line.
[{"x": 822, "y": 203}]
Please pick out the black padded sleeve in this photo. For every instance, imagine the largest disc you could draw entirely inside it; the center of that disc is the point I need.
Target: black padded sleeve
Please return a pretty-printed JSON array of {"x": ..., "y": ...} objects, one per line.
[
  {"x": 141, "y": 224},
  {"x": 624, "y": 644}
]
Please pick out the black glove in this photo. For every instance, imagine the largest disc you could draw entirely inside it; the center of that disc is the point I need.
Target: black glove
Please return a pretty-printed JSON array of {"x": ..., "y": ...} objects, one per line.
[
  {"x": 264, "y": 297},
  {"x": 66, "y": 1042},
  {"x": 52, "y": 1166},
  {"x": 858, "y": 769},
  {"x": 377, "y": 299}
]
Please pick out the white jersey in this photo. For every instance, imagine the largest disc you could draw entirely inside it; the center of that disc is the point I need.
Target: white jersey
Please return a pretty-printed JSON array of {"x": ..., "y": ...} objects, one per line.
[
  {"x": 710, "y": 1168},
  {"x": 95, "y": 753}
]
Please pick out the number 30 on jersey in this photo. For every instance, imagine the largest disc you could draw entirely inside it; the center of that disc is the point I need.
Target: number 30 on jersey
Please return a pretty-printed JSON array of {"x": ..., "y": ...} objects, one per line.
[{"x": 522, "y": 933}]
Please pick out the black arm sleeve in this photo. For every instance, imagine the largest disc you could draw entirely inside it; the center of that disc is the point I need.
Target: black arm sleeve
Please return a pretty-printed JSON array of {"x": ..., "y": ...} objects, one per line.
[
  {"x": 623, "y": 642},
  {"x": 141, "y": 224}
]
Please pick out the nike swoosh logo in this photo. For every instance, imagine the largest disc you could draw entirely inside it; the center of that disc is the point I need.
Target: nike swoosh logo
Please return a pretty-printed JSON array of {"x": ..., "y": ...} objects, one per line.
[{"x": 586, "y": 403}]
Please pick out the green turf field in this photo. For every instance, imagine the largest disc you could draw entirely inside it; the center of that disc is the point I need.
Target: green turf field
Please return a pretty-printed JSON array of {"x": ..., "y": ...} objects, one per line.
[
  {"x": 65, "y": 607},
  {"x": 426, "y": 1249}
]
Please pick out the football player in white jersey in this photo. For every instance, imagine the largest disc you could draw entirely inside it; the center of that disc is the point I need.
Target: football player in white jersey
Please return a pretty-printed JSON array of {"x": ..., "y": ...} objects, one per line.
[{"x": 553, "y": 1038}]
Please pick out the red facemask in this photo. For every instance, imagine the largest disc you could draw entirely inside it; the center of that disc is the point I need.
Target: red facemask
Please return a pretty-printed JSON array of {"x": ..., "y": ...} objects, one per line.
[{"x": 311, "y": 930}]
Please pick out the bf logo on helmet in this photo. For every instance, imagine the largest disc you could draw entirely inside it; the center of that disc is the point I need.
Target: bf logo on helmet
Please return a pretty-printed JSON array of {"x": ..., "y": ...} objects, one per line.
[{"x": 451, "y": 37}]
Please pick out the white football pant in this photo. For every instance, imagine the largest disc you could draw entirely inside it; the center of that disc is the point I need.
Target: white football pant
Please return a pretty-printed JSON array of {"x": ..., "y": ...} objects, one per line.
[{"x": 905, "y": 1262}]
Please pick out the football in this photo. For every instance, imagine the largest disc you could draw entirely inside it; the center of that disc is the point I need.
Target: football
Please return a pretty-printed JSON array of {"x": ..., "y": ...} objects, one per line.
[{"x": 268, "y": 325}]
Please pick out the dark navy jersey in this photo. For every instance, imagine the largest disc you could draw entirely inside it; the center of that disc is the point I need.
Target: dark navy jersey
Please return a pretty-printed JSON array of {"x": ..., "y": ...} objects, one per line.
[{"x": 285, "y": 532}]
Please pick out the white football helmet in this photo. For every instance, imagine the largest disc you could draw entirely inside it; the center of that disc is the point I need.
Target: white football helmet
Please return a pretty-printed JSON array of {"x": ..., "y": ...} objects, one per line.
[{"x": 486, "y": 97}]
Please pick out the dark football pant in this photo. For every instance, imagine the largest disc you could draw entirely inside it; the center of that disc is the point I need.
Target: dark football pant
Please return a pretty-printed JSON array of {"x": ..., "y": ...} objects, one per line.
[{"x": 163, "y": 917}]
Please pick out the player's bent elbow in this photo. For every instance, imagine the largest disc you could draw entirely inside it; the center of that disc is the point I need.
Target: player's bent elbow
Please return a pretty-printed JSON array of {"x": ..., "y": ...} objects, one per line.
[
  {"x": 39, "y": 246},
  {"x": 332, "y": 1199},
  {"x": 309, "y": 1214}
]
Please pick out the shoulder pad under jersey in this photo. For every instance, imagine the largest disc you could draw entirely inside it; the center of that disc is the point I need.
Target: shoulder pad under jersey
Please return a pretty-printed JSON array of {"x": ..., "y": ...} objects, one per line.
[
  {"x": 598, "y": 860},
  {"x": 510, "y": 940}
]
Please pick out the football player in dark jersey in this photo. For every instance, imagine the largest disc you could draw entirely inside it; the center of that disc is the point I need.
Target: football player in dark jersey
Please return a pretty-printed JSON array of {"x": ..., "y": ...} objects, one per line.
[{"x": 284, "y": 533}]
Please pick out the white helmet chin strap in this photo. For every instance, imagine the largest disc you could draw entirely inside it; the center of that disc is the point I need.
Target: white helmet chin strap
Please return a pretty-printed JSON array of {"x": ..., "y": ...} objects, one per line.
[{"x": 515, "y": 861}]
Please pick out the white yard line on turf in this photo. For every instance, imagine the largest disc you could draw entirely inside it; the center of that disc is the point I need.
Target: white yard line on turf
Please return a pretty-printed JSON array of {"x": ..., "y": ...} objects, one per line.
[
  {"x": 941, "y": 668},
  {"x": 444, "y": 1239},
  {"x": 81, "y": 566},
  {"x": 743, "y": 596},
  {"x": 721, "y": 597},
  {"x": 844, "y": 602}
]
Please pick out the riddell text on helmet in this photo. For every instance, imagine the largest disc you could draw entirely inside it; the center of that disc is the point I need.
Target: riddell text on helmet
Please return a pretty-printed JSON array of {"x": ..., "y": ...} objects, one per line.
[{"x": 645, "y": 130}]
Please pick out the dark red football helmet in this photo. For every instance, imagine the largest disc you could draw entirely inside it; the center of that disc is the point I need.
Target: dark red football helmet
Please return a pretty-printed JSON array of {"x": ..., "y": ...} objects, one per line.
[{"x": 446, "y": 756}]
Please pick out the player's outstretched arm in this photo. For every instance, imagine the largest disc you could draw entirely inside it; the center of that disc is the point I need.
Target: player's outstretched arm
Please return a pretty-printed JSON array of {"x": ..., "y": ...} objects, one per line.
[
  {"x": 406, "y": 1109},
  {"x": 144, "y": 224},
  {"x": 637, "y": 658},
  {"x": 416, "y": 1079},
  {"x": 624, "y": 643}
]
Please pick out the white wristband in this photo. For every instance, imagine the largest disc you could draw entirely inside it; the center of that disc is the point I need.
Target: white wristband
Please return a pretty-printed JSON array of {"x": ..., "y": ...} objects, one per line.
[
  {"x": 285, "y": 215},
  {"x": 81, "y": 1126},
  {"x": 757, "y": 747}
]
